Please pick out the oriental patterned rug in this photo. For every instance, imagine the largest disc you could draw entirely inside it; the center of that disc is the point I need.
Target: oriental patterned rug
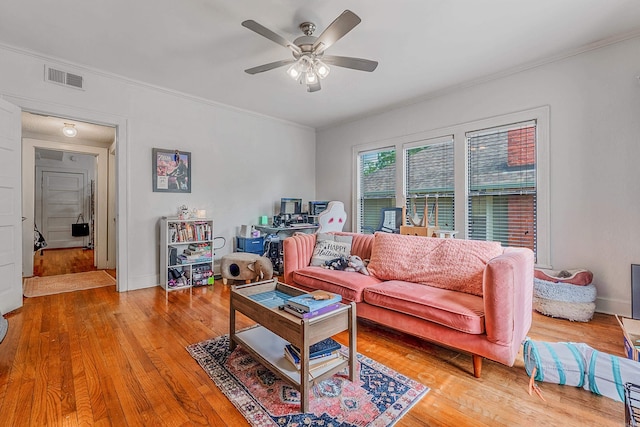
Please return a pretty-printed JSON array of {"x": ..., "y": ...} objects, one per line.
[
  {"x": 378, "y": 398},
  {"x": 49, "y": 285}
]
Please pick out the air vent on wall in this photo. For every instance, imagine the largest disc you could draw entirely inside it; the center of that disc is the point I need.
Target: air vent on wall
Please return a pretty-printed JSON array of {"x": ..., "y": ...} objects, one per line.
[{"x": 64, "y": 78}]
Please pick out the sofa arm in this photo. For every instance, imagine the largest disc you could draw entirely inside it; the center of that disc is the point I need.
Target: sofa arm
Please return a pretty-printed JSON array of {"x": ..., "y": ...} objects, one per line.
[
  {"x": 508, "y": 296},
  {"x": 297, "y": 252}
]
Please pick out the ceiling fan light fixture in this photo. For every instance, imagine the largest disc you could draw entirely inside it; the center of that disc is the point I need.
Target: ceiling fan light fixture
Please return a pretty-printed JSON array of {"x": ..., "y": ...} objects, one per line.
[
  {"x": 293, "y": 72},
  {"x": 298, "y": 68},
  {"x": 321, "y": 69},
  {"x": 69, "y": 130},
  {"x": 310, "y": 77}
]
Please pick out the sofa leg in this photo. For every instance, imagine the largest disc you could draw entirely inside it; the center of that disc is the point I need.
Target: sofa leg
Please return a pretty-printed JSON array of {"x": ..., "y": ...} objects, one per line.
[{"x": 477, "y": 365}]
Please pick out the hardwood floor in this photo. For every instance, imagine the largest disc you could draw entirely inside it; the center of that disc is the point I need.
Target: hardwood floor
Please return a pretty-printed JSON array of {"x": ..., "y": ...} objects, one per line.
[
  {"x": 53, "y": 262},
  {"x": 98, "y": 357}
]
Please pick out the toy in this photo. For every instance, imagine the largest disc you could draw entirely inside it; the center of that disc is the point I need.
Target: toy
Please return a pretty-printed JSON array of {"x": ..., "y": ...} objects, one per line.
[
  {"x": 355, "y": 263},
  {"x": 337, "y": 263},
  {"x": 262, "y": 268},
  {"x": 352, "y": 263}
]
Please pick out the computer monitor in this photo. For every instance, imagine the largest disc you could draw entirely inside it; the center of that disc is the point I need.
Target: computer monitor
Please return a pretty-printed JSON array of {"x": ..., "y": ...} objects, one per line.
[{"x": 289, "y": 205}]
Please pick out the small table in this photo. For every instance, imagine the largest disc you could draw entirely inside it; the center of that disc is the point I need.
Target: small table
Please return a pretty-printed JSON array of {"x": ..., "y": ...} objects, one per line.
[{"x": 278, "y": 328}]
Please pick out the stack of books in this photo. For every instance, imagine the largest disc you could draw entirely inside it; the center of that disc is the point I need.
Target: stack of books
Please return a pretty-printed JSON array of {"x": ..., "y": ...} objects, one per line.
[
  {"x": 313, "y": 304},
  {"x": 320, "y": 354}
]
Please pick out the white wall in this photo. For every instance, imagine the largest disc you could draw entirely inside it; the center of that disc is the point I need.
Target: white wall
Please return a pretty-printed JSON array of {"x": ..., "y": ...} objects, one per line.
[
  {"x": 594, "y": 101},
  {"x": 241, "y": 162}
]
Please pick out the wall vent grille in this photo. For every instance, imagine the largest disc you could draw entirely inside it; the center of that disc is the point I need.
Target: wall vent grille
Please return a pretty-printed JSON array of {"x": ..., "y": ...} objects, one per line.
[{"x": 64, "y": 78}]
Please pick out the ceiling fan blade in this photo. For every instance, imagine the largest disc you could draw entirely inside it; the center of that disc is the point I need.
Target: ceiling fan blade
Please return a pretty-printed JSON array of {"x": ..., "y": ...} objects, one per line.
[
  {"x": 269, "y": 66},
  {"x": 349, "y": 62},
  {"x": 314, "y": 87},
  {"x": 336, "y": 30},
  {"x": 265, "y": 32}
]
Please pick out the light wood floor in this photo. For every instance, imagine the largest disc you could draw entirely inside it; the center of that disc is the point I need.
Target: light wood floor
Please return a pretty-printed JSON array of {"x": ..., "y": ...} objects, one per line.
[
  {"x": 53, "y": 262},
  {"x": 98, "y": 357}
]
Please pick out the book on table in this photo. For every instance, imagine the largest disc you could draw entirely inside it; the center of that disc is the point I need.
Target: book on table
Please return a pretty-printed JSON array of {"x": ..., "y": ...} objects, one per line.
[
  {"x": 307, "y": 314},
  {"x": 314, "y": 300}
]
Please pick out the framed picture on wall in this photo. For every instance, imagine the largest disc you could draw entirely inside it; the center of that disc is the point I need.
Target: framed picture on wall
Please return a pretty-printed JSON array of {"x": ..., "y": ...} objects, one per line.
[{"x": 171, "y": 171}]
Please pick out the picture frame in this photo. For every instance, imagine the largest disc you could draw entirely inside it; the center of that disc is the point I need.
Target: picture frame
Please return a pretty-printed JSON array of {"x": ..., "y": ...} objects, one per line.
[{"x": 171, "y": 171}]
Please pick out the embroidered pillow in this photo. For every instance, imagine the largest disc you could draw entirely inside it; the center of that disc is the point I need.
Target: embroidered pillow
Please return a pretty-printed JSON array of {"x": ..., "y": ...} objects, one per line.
[{"x": 330, "y": 246}]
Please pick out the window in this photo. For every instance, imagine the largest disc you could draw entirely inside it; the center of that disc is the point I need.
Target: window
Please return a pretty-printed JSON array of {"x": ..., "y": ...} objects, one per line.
[
  {"x": 429, "y": 176},
  {"x": 376, "y": 186},
  {"x": 502, "y": 190},
  {"x": 501, "y": 193}
]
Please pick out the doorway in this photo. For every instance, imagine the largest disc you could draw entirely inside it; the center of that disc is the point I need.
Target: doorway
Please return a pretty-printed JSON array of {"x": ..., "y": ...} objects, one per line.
[{"x": 73, "y": 181}]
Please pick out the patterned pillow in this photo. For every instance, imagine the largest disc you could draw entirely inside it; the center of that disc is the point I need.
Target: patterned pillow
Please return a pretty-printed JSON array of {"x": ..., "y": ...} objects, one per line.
[{"x": 330, "y": 246}]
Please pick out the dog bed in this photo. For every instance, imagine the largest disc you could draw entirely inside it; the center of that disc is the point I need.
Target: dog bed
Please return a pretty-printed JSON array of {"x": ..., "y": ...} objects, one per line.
[
  {"x": 575, "y": 277},
  {"x": 564, "y": 301}
]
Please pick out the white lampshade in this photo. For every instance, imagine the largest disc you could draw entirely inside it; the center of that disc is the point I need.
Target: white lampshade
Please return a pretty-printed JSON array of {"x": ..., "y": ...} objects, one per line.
[
  {"x": 321, "y": 68},
  {"x": 69, "y": 130},
  {"x": 310, "y": 77}
]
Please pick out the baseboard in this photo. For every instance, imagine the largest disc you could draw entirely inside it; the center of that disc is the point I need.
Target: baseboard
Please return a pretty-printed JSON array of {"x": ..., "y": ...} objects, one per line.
[
  {"x": 143, "y": 282},
  {"x": 613, "y": 306}
]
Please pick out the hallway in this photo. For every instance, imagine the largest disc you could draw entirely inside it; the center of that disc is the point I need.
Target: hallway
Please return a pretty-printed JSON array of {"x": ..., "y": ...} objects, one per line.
[{"x": 53, "y": 262}]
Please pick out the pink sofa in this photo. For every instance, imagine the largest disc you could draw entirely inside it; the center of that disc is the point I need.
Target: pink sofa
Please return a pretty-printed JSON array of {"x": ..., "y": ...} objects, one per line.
[{"x": 485, "y": 311}]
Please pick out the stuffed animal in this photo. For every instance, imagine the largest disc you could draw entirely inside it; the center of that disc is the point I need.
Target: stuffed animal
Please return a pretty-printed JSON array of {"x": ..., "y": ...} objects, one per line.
[
  {"x": 355, "y": 263},
  {"x": 262, "y": 267},
  {"x": 337, "y": 263}
]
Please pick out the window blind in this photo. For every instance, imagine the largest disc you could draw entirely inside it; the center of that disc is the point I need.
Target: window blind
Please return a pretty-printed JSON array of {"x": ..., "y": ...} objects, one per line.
[
  {"x": 429, "y": 176},
  {"x": 377, "y": 186},
  {"x": 502, "y": 185}
]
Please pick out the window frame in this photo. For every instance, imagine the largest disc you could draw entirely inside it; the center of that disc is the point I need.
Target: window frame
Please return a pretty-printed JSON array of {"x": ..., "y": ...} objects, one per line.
[{"x": 461, "y": 165}]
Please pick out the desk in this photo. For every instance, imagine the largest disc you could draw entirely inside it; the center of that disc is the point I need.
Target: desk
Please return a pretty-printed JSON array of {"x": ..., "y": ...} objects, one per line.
[
  {"x": 273, "y": 241},
  {"x": 287, "y": 231}
]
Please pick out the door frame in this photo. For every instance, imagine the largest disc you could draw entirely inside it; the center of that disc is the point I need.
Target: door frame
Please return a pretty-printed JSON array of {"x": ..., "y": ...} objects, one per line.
[
  {"x": 122, "y": 180},
  {"x": 29, "y": 146}
]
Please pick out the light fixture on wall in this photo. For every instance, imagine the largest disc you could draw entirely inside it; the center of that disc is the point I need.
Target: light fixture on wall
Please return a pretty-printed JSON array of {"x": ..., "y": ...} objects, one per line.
[{"x": 69, "y": 130}]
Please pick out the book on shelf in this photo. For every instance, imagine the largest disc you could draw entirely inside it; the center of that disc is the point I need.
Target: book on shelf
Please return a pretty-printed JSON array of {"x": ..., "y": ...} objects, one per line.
[
  {"x": 321, "y": 348},
  {"x": 314, "y": 300},
  {"x": 314, "y": 362},
  {"x": 308, "y": 314}
]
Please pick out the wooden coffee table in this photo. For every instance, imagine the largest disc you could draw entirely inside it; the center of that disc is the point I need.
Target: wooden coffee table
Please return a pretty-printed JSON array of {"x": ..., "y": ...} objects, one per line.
[{"x": 278, "y": 328}]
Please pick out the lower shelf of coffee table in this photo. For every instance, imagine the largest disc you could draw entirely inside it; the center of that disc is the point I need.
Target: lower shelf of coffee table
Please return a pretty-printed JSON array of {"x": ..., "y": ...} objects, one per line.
[{"x": 269, "y": 349}]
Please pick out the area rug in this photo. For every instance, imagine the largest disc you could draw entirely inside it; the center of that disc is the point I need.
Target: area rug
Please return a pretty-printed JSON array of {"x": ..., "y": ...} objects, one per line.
[
  {"x": 378, "y": 398},
  {"x": 49, "y": 285}
]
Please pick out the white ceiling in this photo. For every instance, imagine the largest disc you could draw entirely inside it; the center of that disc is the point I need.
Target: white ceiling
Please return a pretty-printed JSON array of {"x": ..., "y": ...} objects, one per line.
[{"x": 423, "y": 47}]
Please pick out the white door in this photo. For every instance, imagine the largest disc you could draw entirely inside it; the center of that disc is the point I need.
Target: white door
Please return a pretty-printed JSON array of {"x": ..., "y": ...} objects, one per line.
[
  {"x": 63, "y": 199},
  {"x": 10, "y": 208}
]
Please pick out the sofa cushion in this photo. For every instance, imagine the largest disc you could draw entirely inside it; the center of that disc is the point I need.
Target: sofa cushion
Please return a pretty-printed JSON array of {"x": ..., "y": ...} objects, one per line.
[
  {"x": 443, "y": 263},
  {"x": 346, "y": 283},
  {"x": 329, "y": 247},
  {"x": 459, "y": 311}
]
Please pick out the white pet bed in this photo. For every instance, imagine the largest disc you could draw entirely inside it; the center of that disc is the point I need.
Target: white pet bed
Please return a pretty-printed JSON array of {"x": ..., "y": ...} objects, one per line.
[{"x": 564, "y": 301}]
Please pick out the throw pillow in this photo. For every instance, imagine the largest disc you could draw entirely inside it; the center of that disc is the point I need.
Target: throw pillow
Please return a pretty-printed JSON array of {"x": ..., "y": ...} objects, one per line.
[
  {"x": 329, "y": 247},
  {"x": 453, "y": 264}
]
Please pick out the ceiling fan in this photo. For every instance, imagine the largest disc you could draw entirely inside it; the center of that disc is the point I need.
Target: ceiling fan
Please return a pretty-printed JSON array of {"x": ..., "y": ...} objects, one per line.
[{"x": 309, "y": 63}]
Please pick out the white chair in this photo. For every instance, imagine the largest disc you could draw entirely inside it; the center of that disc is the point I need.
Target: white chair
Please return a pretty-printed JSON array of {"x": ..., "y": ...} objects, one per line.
[{"x": 333, "y": 218}]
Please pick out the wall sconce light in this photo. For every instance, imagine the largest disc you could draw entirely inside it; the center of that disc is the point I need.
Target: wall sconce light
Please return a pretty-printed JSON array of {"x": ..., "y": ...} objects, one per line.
[{"x": 69, "y": 130}]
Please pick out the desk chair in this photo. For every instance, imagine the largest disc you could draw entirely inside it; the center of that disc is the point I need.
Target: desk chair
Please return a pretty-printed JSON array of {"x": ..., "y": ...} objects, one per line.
[
  {"x": 332, "y": 218},
  {"x": 390, "y": 221}
]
